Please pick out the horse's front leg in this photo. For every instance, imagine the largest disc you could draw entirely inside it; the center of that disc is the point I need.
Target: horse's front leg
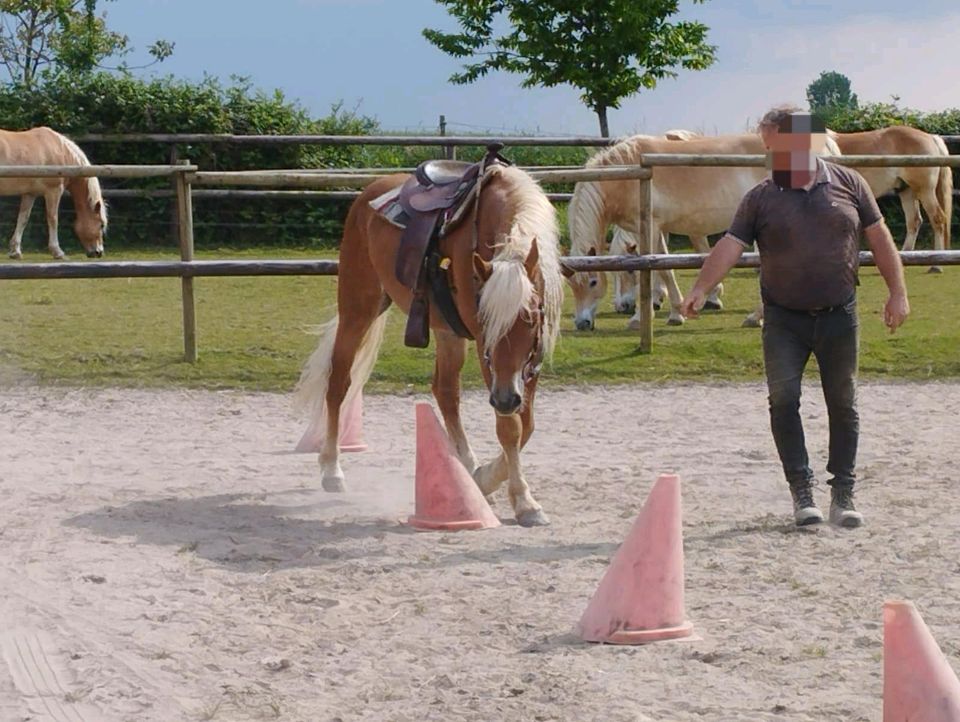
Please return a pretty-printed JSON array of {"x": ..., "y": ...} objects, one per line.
[
  {"x": 451, "y": 353},
  {"x": 16, "y": 240},
  {"x": 52, "y": 202},
  {"x": 527, "y": 510}
]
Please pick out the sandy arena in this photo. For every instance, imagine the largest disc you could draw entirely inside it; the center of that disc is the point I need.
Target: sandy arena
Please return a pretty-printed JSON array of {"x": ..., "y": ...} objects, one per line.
[{"x": 163, "y": 559}]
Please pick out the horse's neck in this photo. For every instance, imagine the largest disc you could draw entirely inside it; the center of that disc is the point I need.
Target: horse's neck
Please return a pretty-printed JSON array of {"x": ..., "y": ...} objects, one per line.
[
  {"x": 591, "y": 219},
  {"x": 80, "y": 192}
]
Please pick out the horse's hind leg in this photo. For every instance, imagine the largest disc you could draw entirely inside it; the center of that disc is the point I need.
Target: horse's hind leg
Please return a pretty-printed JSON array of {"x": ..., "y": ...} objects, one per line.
[
  {"x": 938, "y": 219},
  {"x": 52, "y": 202},
  {"x": 451, "y": 353},
  {"x": 911, "y": 217},
  {"x": 357, "y": 315},
  {"x": 16, "y": 240}
]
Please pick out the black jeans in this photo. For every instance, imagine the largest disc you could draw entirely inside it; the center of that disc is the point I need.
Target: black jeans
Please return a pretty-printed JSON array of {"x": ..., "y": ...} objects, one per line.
[{"x": 833, "y": 337}]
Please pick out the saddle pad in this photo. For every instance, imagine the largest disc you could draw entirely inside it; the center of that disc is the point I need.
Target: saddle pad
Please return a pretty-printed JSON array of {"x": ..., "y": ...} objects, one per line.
[{"x": 388, "y": 206}]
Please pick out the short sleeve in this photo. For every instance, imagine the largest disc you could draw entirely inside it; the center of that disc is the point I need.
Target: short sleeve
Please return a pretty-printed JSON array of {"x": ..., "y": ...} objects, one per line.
[
  {"x": 866, "y": 203},
  {"x": 744, "y": 224}
]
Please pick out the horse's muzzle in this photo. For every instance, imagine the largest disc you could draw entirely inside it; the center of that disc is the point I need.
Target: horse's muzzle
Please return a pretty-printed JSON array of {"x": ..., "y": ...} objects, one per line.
[
  {"x": 94, "y": 254},
  {"x": 506, "y": 403},
  {"x": 584, "y": 324}
]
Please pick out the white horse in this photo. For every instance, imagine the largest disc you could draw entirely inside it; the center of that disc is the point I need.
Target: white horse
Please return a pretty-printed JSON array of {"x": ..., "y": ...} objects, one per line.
[{"x": 43, "y": 146}]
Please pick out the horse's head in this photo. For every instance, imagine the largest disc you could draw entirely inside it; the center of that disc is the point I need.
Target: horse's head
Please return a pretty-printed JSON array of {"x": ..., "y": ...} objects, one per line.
[
  {"x": 513, "y": 318},
  {"x": 90, "y": 226},
  {"x": 624, "y": 282},
  {"x": 589, "y": 288}
]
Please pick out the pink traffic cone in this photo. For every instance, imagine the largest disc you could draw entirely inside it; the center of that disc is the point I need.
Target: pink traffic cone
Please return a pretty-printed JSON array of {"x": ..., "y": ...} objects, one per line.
[
  {"x": 918, "y": 683},
  {"x": 640, "y": 598},
  {"x": 351, "y": 429},
  {"x": 446, "y": 495}
]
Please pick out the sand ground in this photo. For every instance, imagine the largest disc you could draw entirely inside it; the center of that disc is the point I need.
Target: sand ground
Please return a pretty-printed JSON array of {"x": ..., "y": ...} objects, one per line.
[{"x": 163, "y": 559}]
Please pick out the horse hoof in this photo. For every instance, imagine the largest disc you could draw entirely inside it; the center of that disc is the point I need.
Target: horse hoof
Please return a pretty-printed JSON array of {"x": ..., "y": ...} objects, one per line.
[
  {"x": 16, "y": 255},
  {"x": 934, "y": 269},
  {"x": 674, "y": 321},
  {"x": 713, "y": 306},
  {"x": 749, "y": 322},
  {"x": 334, "y": 484},
  {"x": 534, "y": 517},
  {"x": 634, "y": 325}
]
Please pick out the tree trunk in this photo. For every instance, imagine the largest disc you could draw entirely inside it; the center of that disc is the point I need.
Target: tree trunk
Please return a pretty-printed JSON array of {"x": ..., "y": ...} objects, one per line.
[{"x": 602, "y": 115}]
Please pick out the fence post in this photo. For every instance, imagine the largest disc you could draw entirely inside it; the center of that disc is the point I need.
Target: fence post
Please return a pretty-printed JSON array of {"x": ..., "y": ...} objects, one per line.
[
  {"x": 449, "y": 151},
  {"x": 645, "y": 247},
  {"x": 185, "y": 226}
]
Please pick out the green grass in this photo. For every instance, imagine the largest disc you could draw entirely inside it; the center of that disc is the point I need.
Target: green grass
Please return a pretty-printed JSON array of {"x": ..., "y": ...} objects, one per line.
[{"x": 253, "y": 333}]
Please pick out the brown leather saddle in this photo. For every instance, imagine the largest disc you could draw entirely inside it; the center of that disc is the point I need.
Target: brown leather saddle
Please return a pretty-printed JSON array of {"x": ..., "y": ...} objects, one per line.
[{"x": 435, "y": 199}]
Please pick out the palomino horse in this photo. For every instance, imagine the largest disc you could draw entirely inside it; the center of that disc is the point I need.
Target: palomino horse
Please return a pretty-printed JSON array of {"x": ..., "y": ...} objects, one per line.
[
  {"x": 931, "y": 187},
  {"x": 504, "y": 265},
  {"x": 693, "y": 201},
  {"x": 43, "y": 146},
  {"x": 626, "y": 283}
]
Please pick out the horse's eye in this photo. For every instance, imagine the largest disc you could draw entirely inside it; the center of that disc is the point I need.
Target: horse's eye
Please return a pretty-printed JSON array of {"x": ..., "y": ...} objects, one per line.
[{"x": 594, "y": 282}]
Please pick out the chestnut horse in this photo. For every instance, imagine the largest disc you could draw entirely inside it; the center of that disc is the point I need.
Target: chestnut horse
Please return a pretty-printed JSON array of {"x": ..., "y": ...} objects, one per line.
[
  {"x": 43, "y": 146},
  {"x": 504, "y": 264}
]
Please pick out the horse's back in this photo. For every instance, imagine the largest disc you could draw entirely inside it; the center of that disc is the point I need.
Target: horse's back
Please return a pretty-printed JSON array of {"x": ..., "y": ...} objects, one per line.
[
  {"x": 893, "y": 140},
  {"x": 37, "y": 146}
]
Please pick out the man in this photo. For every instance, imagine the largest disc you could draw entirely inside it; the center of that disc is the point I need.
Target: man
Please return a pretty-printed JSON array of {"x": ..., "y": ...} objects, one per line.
[{"x": 807, "y": 219}]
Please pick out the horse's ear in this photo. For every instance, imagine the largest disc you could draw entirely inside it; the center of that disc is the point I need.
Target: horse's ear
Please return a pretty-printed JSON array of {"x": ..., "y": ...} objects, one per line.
[
  {"x": 532, "y": 258},
  {"x": 97, "y": 207},
  {"x": 632, "y": 249},
  {"x": 592, "y": 251},
  {"x": 482, "y": 268}
]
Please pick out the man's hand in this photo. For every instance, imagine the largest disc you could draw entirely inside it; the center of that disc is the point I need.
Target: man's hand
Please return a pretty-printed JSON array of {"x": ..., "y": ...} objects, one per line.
[
  {"x": 690, "y": 308},
  {"x": 896, "y": 310}
]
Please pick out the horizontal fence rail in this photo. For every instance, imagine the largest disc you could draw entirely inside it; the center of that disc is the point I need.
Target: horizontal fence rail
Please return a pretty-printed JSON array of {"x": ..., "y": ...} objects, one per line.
[
  {"x": 752, "y": 161},
  {"x": 196, "y": 269},
  {"x": 453, "y": 140},
  {"x": 89, "y": 171}
]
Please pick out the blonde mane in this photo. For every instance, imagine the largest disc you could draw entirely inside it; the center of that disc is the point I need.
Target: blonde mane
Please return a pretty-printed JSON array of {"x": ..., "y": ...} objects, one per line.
[
  {"x": 509, "y": 290},
  {"x": 94, "y": 194}
]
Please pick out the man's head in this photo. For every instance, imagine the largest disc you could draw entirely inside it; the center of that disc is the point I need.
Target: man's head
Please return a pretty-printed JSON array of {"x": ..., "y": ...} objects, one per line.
[{"x": 793, "y": 139}]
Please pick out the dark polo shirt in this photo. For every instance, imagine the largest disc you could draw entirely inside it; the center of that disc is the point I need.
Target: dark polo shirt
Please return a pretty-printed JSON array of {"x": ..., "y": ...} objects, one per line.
[{"x": 808, "y": 240}]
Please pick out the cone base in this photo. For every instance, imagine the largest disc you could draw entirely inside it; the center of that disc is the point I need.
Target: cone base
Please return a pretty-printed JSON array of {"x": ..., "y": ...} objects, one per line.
[
  {"x": 645, "y": 636},
  {"x": 437, "y": 525},
  {"x": 353, "y": 448}
]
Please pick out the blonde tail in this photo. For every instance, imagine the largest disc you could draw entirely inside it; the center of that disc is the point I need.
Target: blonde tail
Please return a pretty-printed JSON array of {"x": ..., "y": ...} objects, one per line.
[
  {"x": 945, "y": 192},
  {"x": 310, "y": 394}
]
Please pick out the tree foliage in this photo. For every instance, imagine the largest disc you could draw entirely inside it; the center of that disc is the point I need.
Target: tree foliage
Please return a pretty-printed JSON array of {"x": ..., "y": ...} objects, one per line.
[
  {"x": 50, "y": 36},
  {"x": 607, "y": 49},
  {"x": 831, "y": 90}
]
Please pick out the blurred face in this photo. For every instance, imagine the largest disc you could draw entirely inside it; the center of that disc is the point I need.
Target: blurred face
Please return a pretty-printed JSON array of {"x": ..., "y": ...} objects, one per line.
[{"x": 792, "y": 150}]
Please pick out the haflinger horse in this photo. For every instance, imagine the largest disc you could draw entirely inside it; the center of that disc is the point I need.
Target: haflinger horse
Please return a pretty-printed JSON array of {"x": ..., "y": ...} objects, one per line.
[
  {"x": 43, "y": 146},
  {"x": 931, "y": 187},
  {"x": 504, "y": 266},
  {"x": 694, "y": 201},
  {"x": 626, "y": 283}
]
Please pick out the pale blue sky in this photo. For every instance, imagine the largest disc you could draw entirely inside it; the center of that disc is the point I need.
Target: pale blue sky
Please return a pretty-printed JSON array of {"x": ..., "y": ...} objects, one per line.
[{"x": 370, "y": 55}]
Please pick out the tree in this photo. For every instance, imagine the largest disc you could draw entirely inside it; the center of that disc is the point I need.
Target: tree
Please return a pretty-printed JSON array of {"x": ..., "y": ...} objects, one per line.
[
  {"x": 59, "y": 35},
  {"x": 607, "y": 49},
  {"x": 830, "y": 91}
]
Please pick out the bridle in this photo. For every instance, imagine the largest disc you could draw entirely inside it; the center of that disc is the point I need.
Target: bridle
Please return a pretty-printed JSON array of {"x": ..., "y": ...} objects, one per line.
[{"x": 534, "y": 361}]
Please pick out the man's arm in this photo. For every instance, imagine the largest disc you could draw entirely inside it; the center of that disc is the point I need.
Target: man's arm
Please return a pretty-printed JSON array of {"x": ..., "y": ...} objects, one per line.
[
  {"x": 722, "y": 258},
  {"x": 887, "y": 258}
]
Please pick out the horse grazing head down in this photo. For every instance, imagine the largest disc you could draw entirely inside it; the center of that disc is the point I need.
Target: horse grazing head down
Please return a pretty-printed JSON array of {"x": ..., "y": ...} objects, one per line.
[
  {"x": 91, "y": 220},
  {"x": 514, "y": 320}
]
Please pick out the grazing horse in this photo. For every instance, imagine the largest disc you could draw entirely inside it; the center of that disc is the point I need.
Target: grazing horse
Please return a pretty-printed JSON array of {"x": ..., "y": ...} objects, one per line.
[
  {"x": 694, "y": 201},
  {"x": 931, "y": 187},
  {"x": 43, "y": 146},
  {"x": 503, "y": 262}
]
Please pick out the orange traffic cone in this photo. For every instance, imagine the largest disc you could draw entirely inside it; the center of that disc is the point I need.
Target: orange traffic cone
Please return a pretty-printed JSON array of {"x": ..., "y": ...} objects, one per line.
[
  {"x": 446, "y": 495},
  {"x": 640, "y": 598},
  {"x": 918, "y": 682},
  {"x": 351, "y": 429}
]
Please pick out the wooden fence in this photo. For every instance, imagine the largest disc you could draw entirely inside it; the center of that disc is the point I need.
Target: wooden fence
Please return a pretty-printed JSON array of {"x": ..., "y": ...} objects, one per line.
[{"x": 186, "y": 176}]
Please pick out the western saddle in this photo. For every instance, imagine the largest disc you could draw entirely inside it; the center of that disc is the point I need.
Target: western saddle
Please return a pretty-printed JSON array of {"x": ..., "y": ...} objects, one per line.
[{"x": 435, "y": 199}]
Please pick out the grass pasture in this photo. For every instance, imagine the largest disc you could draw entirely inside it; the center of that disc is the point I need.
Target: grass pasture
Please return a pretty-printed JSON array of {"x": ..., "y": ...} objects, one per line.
[{"x": 253, "y": 333}]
